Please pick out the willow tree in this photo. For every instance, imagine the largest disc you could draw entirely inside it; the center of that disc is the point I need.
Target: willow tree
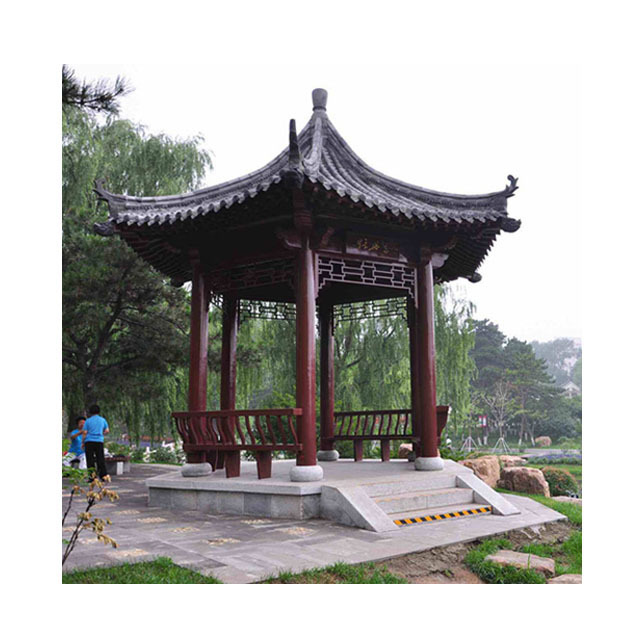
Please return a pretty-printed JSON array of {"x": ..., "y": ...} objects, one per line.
[
  {"x": 455, "y": 340},
  {"x": 125, "y": 329}
]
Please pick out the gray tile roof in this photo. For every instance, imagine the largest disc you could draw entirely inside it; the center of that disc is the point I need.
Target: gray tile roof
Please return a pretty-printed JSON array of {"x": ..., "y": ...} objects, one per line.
[{"x": 321, "y": 156}]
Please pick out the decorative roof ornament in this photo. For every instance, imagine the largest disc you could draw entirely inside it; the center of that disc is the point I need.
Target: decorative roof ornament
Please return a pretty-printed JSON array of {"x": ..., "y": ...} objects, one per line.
[
  {"x": 294, "y": 176},
  {"x": 319, "y": 97},
  {"x": 511, "y": 188}
]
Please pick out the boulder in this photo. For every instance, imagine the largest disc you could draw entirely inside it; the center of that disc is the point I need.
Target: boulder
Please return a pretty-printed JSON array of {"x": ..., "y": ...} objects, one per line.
[
  {"x": 543, "y": 441},
  {"x": 567, "y": 578},
  {"x": 545, "y": 566},
  {"x": 511, "y": 461},
  {"x": 524, "y": 480},
  {"x": 487, "y": 468},
  {"x": 405, "y": 449}
]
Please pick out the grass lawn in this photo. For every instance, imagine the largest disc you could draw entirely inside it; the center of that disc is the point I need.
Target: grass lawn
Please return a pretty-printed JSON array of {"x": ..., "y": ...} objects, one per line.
[
  {"x": 339, "y": 573},
  {"x": 159, "y": 571},
  {"x": 574, "y": 469}
]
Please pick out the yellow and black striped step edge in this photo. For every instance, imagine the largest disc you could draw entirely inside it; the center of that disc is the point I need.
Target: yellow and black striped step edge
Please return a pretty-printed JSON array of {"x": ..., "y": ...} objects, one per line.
[{"x": 443, "y": 516}]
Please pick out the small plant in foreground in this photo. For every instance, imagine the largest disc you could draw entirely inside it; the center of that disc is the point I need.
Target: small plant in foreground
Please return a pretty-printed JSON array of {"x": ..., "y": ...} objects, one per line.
[{"x": 95, "y": 493}]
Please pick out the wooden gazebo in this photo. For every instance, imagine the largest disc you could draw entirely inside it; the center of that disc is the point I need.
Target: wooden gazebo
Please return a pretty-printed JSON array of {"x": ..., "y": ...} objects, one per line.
[{"x": 314, "y": 231}]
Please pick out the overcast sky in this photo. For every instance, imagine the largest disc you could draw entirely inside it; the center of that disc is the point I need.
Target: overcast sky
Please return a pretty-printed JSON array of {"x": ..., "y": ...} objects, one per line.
[{"x": 456, "y": 129}]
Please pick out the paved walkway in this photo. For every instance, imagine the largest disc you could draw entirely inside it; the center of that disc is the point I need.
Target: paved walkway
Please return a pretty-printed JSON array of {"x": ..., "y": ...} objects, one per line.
[{"x": 239, "y": 549}]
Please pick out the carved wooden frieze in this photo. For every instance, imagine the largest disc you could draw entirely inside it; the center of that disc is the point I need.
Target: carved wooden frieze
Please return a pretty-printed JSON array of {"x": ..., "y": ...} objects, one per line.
[
  {"x": 366, "y": 272},
  {"x": 251, "y": 276}
]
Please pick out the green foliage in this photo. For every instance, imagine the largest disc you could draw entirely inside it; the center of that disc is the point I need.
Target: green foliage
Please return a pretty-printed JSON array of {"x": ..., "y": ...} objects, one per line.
[
  {"x": 495, "y": 573},
  {"x": 66, "y": 443},
  {"x": 572, "y": 549},
  {"x": 97, "y": 97},
  {"x": 159, "y": 571},
  {"x": 125, "y": 330},
  {"x": 561, "y": 483},
  {"x": 455, "y": 339},
  {"x": 572, "y": 511},
  {"x": 339, "y": 573},
  {"x": 116, "y": 449},
  {"x": 163, "y": 455},
  {"x": 137, "y": 455},
  {"x": 449, "y": 453}
]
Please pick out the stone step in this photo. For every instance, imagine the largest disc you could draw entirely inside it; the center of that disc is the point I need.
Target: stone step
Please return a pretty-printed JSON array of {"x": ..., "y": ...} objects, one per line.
[
  {"x": 424, "y": 499},
  {"x": 424, "y": 482},
  {"x": 439, "y": 514}
]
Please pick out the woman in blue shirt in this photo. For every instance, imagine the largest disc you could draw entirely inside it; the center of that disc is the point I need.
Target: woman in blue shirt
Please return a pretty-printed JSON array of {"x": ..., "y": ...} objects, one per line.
[{"x": 95, "y": 429}]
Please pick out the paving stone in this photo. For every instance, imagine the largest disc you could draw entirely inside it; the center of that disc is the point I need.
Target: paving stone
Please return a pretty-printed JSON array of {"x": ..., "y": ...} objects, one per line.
[{"x": 567, "y": 578}]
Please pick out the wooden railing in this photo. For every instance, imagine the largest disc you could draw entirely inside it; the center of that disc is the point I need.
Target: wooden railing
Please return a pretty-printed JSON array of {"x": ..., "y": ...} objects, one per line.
[
  {"x": 370, "y": 425},
  {"x": 259, "y": 429},
  {"x": 394, "y": 424},
  {"x": 219, "y": 436}
]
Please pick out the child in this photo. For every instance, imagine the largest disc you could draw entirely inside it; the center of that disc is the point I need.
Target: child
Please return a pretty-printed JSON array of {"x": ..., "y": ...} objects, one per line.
[{"x": 76, "y": 443}]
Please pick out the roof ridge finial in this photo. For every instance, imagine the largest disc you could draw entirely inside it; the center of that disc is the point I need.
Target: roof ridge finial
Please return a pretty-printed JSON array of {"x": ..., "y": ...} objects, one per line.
[
  {"x": 294, "y": 148},
  {"x": 319, "y": 97}
]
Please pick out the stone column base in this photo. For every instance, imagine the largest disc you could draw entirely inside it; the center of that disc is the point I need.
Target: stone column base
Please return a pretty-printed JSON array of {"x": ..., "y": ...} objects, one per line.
[
  {"x": 328, "y": 456},
  {"x": 195, "y": 470},
  {"x": 310, "y": 473},
  {"x": 429, "y": 464}
]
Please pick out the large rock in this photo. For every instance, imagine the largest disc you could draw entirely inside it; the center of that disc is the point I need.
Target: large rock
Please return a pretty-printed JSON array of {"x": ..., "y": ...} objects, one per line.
[
  {"x": 511, "y": 461},
  {"x": 487, "y": 468},
  {"x": 405, "y": 450},
  {"x": 567, "y": 578},
  {"x": 545, "y": 566},
  {"x": 524, "y": 480},
  {"x": 543, "y": 441}
]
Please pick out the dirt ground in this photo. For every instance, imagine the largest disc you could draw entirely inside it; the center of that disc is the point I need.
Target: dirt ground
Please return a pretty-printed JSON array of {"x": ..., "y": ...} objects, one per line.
[{"x": 444, "y": 565}]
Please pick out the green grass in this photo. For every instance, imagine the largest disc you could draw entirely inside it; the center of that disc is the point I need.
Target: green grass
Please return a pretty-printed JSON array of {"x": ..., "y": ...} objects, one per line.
[
  {"x": 498, "y": 574},
  {"x": 572, "y": 511},
  {"x": 158, "y": 571},
  {"x": 574, "y": 469},
  {"x": 339, "y": 573}
]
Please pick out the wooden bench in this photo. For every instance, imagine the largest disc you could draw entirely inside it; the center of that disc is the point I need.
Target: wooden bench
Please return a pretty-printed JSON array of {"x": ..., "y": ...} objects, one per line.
[
  {"x": 218, "y": 437},
  {"x": 385, "y": 426}
]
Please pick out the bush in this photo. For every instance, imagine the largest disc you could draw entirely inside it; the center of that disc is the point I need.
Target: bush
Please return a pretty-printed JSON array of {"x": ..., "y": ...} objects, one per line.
[
  {"x": 449, "y": 453},
  {"x": 137, "y": 455},
  {"x": 163, "y": 455},
  {"x": 116, "y": 449},
  {"x": 561, "y": 482}
]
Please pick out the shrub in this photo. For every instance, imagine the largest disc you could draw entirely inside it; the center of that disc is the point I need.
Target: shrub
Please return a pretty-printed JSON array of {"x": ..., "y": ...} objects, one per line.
[
  {"x": 561, "y": 482},
  {"x": 449, "y": 453},
  {"x": 137, "y": 455},
  {"x": 163, "y": 455},
  {"x": 116, "y": 449}
]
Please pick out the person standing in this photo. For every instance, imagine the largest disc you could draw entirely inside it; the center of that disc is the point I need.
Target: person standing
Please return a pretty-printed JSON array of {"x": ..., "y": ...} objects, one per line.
[{"x": 95, "y": 429}]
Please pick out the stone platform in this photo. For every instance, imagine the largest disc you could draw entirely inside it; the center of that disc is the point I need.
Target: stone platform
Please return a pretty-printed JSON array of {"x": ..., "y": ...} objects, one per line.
[
  {"x": 370, "y": 494},
  {"x": 241, "y": 549}
]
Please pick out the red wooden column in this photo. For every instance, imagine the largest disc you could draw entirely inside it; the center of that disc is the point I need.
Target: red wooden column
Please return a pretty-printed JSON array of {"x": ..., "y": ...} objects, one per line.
[
  {"x": 228, "y": 371},
  {"x": 412, "y": 317},
  {"x": 327, "y": 452},
  {"x": 198, "y": 361},
  {"x": 427, "y": 457},
  {"x": 307, "y": 468}
]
